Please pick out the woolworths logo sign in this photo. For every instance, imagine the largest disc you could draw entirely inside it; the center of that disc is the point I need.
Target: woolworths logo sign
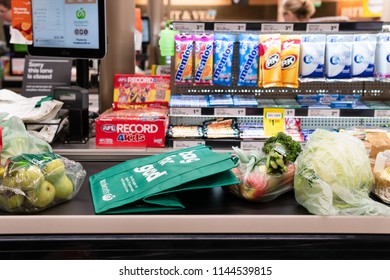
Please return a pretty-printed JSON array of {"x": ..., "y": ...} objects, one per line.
[{"x": 80, "y": 14}]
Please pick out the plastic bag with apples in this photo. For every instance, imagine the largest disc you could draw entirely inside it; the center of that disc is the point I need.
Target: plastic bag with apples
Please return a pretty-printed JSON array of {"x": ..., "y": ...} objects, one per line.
[
  {"x": 34, "y": 182},
  {"x": 256, "y": 182}
]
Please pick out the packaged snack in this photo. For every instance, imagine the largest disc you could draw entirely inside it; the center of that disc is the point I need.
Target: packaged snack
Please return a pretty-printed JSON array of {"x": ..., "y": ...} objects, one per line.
[
  {"x": 270, "y": 48},
  {"x": 382, "y": 62},
  {"x": 290, "y": 60},
  {"x": 312, "y": 57},
  {"x": 223, "y": 58},
  {"x": 363, "y": 56},
  {"x": 221, "y": 128},
  {"x": 183, "y": 58},
  {"x": 248, "y": 59},
  {"x": 339, "y": 56},
  {"x": 204, "y": 45},
  {"x": 185, "y": 131}
]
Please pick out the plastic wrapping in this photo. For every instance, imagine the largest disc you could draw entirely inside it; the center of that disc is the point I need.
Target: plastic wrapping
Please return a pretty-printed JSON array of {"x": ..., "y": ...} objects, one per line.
[
  {"x": 255, "y": 183},
  {"x": 34, "y": 182}
]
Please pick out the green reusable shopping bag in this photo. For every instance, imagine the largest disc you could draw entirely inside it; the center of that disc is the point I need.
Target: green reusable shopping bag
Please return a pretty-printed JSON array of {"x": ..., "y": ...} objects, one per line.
[{"x": 150, "y": 183}]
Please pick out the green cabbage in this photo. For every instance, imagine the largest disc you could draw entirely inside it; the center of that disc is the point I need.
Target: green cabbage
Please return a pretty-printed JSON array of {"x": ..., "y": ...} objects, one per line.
[{"x": 333, "y": 176}]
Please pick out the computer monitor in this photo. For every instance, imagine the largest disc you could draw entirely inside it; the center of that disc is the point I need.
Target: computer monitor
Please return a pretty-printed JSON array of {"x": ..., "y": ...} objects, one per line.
[{"x": 69, "y": 28}]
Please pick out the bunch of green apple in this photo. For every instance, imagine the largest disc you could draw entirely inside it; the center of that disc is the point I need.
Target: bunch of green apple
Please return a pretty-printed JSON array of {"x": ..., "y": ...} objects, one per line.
[{"x": 28, "y": 188}]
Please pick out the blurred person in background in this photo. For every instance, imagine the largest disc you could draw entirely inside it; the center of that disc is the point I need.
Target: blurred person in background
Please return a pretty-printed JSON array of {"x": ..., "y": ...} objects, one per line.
[
  {"x": 298, "y": 10},
  {"x": 5, "y": 11}
]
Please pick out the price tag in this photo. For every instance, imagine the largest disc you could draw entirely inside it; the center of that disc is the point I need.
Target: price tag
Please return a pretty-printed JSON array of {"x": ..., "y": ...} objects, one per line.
[
  {"x": 289, "y": 113},
  {"x": 187, "y": 144},
  {"x": 273, "y": 120},
  {"x": 277, "y": 27},
  {"x": 251, "y": 145},
  {"x": 185, "y": 111},
  {"x": 229, "y": 27},
  {"x": 231, "y": 112},
  {"x": 324, "y": 113},
  {"x": 322, "y": 27},
  {"x": 382, "y": 113},
  {"x": 189, "y": 26}
]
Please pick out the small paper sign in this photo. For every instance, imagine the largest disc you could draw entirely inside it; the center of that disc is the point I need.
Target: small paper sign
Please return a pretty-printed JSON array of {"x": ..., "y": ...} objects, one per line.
[
  {"x": 322, "y": 27},
  {"x": 324, "y": 113},
  {"x": 231, "y": 112},
  {"x": 273, "y": 121},
  {"x": 230, "y": 27},
  {"x": 185, "y": 112},
  {"x": 189, "y": 26},
  {"x": 277, "y": 27},
  {"x": 382, "y": 113},
  {"x": 187, "y": 144},
  {"x": 251, "y": 145},
  {"x": 289, "y": 113}
]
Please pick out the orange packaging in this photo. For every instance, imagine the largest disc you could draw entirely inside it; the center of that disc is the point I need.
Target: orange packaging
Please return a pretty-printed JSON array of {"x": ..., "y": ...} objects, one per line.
[
  {"x": 204, "y": 58},
  {"x": 270, "y": 48},
  {"x": 183, "y": 58},
  {"x": 290, "y": 60},
  {"x": 21, "y": 29}
]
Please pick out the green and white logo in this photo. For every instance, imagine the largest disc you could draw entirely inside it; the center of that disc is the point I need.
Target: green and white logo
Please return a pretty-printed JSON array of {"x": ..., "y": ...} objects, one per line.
[{"x": 80, "y": 14}]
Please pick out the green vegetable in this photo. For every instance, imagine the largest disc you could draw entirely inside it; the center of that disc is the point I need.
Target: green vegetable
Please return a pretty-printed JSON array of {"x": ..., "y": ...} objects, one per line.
[
  {"x": 333, "y": 176},
  {"x": 280, "y": 149}
]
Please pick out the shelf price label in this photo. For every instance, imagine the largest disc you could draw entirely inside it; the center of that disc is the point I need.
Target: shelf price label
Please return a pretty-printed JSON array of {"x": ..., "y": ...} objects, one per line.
[
  {"x": 251, "y": 145},
  {"x": 277, "y": 27},
  {"x": 333, "y": 113},
  {"x": 187, "y": 144},
  {"x": 238, "y": 27},
  {"x": 382, "y": 114},
  {"x": 289, "y": 113},
  {"x": 230, "y": 112},
  {"x": 322, "y": 27},
  {"x": 189, "y": 26},
  {"x": 273, "y": 120},
  {"x": 185, "y": 111}
]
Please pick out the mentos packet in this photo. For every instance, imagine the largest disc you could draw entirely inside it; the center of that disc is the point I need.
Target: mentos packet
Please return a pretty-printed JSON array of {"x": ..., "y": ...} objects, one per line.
[
  {"x": 204, "y": 45},
  {"x": 248, "y": 59},
  {"x": 271, "y": 70},
  {"x": 290, "y": 60},
  {"x": 339, "y": 56},
  {"x": 183, "y": 58},
  {"x": 223, "y": 58},
  {"x": 363, "y": 55},
  {"x": 382, "y": 63}
]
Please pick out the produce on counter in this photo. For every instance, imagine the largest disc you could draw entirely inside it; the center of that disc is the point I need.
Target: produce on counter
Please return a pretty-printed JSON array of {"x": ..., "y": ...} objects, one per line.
[
  {"x": 256, "y": 183},
  {"x": 333, "y": 176},
  {"x": 280, "y": 150},
  {"x": 34, "y": 182}
]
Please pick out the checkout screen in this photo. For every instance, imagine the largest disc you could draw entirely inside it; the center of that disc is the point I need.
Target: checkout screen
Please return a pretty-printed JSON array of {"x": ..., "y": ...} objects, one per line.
[{"x": 66, "y": 24}]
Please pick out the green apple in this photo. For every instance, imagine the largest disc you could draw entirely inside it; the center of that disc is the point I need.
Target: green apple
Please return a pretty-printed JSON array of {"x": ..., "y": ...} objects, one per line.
[
  {"x": 11, "y": 201},
  {"x": 43, "y": 195},
  {"x": 30, "y": 178},
  {"x": 54, "y": 170},
  {"x": 2, "y": 172},
  {"x": 64, "y": 188},
  {"x": 10, "y": 182}
]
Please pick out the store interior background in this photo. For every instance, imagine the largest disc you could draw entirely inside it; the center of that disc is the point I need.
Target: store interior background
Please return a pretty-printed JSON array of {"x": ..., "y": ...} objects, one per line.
[{"x": 123, "y": 55}]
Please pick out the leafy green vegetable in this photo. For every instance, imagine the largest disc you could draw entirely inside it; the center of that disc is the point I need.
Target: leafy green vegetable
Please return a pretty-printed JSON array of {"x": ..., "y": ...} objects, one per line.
[
  {"x": 333, "y": 176},
  {"x": 280, "y": 150}
]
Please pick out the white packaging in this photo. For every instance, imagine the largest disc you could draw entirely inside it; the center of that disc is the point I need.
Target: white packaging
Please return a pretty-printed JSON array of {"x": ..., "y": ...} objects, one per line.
[
  {"x": 339, "y": 56},
  {"x": 363, "y": 56},
  {"x": 312, "y": 57},
  {"x": 382, "y": 62}
]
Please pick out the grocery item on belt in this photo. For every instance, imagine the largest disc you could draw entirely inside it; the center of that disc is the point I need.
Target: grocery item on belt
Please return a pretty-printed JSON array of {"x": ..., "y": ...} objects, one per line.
[
  {"x": 33, "y": 182},
  {"x": 183, "y": 58},
  {"x": 363, "y": 56},
  {"x": 223, "y": 58},
  {"x": 312, "y": 57},
  {"x": 339, "y": 56},
  {"x": 382, "y": 61},
  {"x": 248, "y": 59},
  {"x": 290, "y": 60},
  {"x": 270, "y": 62},
  {"x": 204, "y": 52}
]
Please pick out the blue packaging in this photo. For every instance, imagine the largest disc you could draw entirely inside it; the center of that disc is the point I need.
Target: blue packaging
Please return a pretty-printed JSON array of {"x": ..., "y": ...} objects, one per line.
[
  {"x": 223, "y": 58},
  {"x": 312, "y": 56},
  {"x": 363, "y": 55},
  {"x": 339, "y": 56},
  {"x": 248, "y": 59}
]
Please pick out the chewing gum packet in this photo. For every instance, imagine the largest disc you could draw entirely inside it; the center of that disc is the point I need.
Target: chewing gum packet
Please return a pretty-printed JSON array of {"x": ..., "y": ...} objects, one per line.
[
  {"x": 223, "y": 58},
  {"x": 290, "y": 60},
  {"x": 270, "y": 48},
  {"x": 312, "y": 57},
  {"x": 339, "y": 56},
  {"x": 382, "y": 63},
  {"x": 204, "y": 46},
  {"x": 183, "y": 58},
  {"x": 248, "y": 59},
  {"x": 363, "y": 56}
]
